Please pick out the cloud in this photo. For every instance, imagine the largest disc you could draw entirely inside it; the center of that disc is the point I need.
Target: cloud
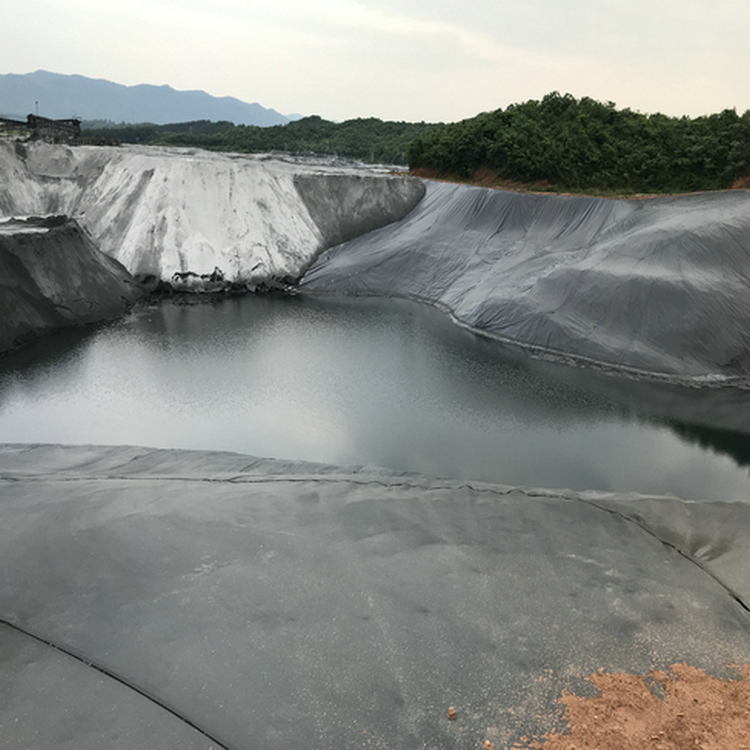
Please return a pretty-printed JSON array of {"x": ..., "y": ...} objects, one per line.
[{"x": 401, "y": 59}]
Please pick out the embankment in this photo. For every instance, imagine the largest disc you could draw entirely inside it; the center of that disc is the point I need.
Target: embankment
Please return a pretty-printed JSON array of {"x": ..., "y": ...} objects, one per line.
[
  {"x": 659, "y": 287},
  {"x": 656, "y": 287},
  {"x": 53, "y": 276},
  {"x": 166, "y": 211}
]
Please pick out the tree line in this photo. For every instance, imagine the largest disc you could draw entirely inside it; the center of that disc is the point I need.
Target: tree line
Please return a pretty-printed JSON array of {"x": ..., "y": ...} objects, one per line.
[
  {"x": 558, "y": 143},
  {"x": 367, "y": 139},
  {"x": 582, "y": 144}
]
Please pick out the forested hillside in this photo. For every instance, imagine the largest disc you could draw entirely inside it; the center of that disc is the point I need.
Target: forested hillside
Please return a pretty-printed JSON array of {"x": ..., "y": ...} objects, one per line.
[
  {"x": 559, "y": 143},
  {"x": 570, "y": 144},
  {"x": 370, "y": 139}
]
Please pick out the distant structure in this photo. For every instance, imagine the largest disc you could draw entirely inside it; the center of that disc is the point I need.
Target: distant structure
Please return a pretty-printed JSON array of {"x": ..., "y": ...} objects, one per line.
[
  {"x": 42, "y": 129},
  {"x": 13, "y": 128}
]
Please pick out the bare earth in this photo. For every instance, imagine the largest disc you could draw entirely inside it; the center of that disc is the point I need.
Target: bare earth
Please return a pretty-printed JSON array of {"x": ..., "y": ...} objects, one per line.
[{"x": 697, "y": 712}]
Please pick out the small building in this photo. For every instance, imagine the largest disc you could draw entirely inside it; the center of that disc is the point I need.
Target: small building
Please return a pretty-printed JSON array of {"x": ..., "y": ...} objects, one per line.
[{"x": 55, "y": 131}]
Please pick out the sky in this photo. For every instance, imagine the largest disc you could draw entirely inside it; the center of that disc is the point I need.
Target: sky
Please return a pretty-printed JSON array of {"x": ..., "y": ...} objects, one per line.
[{"x": 413, "y": 60}]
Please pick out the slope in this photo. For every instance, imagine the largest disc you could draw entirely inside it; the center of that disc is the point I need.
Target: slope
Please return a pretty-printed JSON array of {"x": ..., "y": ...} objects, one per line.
[
  {"x": 52, "y": 276},
  {"x": 656, "y": 286},
  {"x": 167, "y": 211}
]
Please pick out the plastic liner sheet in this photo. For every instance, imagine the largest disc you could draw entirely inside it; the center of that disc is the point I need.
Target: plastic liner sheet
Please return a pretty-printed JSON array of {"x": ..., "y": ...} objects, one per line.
[
  {"x": 658, "y": 286},
  {"x": 52, "y": 275},
  {"x": 222, "y": 600}
]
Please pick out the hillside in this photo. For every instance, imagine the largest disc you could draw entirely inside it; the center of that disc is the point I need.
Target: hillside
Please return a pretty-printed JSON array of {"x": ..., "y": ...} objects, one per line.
[
  {"x": 61, "y": 96},
  {"x": 366, "y": 139},
  {"x": 564, "y": 144},
  {"x": 560, "y": 144}
]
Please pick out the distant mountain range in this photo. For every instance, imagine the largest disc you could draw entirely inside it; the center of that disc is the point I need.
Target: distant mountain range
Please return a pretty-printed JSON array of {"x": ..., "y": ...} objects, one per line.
[{"x": 62, "y": 96}]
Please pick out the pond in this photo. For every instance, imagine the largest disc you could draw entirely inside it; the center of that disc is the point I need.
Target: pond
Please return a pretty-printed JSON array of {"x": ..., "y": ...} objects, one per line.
[{"x": 378, "y": 382}]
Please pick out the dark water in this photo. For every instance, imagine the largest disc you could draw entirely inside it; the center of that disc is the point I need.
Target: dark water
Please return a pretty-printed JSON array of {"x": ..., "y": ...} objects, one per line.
[{"x": 377, "y": 382}]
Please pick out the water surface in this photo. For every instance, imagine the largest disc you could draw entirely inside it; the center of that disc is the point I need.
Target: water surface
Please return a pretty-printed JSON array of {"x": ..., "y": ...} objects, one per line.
[{"x": 378, "y": 382}]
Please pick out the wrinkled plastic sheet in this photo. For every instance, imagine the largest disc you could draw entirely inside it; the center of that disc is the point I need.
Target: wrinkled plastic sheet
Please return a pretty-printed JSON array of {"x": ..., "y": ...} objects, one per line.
[
  {"x": 155, "y": 598},
  {"x": 52, "y": 276},
  {"x": 657, "y": 286}
]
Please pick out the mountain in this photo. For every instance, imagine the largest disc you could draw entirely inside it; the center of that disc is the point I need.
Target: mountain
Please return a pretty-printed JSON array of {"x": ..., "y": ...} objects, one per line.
[{"x": 63, "y": 96}]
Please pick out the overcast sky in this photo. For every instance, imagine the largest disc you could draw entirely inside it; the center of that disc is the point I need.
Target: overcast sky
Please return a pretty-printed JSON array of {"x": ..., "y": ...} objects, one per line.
[{"x": 432, "y": 60}]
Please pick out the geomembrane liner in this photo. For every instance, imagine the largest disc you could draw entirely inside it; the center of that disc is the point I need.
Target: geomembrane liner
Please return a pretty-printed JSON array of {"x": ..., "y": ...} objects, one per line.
[
  {"x": 270, "y": 604},
  {"x": 658, "y": 286}
]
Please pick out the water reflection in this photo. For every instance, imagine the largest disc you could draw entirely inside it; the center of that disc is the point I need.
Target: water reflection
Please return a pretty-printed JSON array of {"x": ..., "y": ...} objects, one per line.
[
  {"x": 381, "y": 382},
  {"x": 727, "y": 442}
]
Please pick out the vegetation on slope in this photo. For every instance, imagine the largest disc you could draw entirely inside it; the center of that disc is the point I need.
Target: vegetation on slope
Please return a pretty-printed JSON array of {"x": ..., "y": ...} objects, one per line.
[
  {"x": 570, "y": 144},
  {"x": 559, "y": 143},
  {"x": 371, "y": 140}
]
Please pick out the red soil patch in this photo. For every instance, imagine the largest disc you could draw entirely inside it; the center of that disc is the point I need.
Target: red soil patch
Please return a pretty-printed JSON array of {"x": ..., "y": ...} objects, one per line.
[
  {"x": 698, "y": 712},
  {"x": 483, "y": 177},
  {"x": 486, "y": 177}
]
